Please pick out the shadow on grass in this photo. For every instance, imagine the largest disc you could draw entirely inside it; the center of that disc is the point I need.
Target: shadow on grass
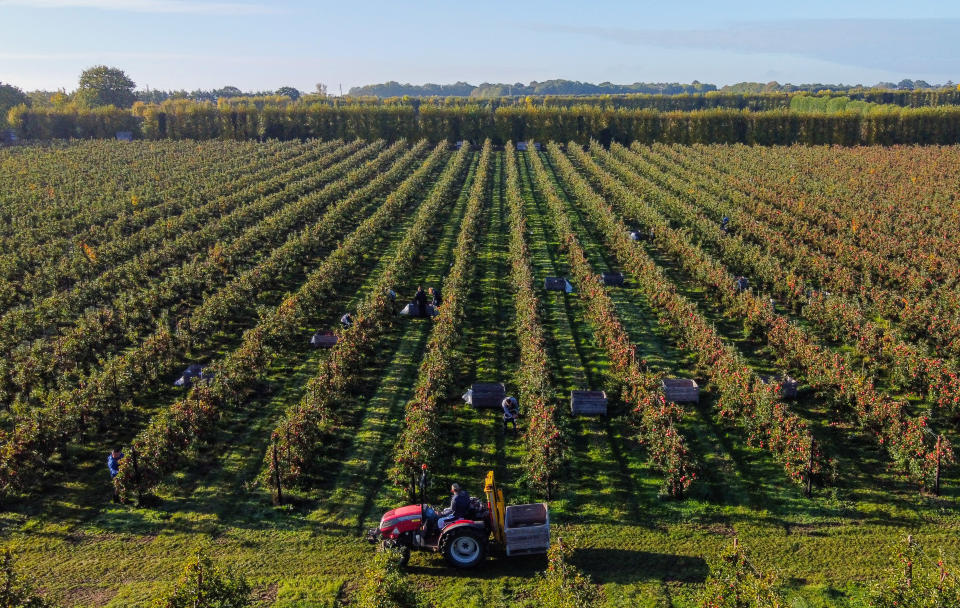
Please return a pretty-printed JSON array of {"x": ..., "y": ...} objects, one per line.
[
  {"x": 603, "y": 565},
  {"x": 630, "y": 566}
]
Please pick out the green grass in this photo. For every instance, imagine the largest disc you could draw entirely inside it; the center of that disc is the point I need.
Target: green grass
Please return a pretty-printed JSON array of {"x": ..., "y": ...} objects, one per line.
[{"x": 643, "y": 550}]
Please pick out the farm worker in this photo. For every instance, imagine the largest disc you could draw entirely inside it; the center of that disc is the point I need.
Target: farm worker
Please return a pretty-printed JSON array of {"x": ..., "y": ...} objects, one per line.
[
  {"x": 435, "y": 292},
  {"x": 420, "y": 299},
  {"x": 346, "y": 320},
  {"x": 113, "y": 463},
  {"x": 510, "y": 413},
  {"x": 393, "y": 300},
  {"x": 459, "y": 506}
]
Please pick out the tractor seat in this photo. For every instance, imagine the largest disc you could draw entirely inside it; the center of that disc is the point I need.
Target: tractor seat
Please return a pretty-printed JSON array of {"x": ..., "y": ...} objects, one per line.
[{"x": 478, "y": 510}]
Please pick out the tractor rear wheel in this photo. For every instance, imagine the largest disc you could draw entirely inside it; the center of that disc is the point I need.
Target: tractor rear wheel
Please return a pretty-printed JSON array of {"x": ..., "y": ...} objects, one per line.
[{"x": 463, "y": 547}]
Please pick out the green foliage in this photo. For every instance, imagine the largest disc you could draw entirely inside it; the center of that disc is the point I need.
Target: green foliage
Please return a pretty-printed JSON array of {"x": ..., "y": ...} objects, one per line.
[
  {"x": 203, "y": 585},
  {"x": 291, "y": 92},
  {"x": 105, "y": 86},
  {"x": 827, "y": 104},
  {"x": 284, "y": 119},
  {"x": 14, "y": 593},
  {"x": 735, "y": 583},
  {"x": 70, "y": 122},
  {"x": 563, "y": 585},
  {"x": 10, "y": 96},
  {"x": 917, "y": 581},
  {"x": 384, "y": 585}
]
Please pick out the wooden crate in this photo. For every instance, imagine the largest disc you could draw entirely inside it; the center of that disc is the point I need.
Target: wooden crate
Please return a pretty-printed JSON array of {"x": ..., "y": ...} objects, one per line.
[
  {"x": 588, "y": 403},
  {"x": 555, "y": 284},
  {"x": 486, "y": 394},
  {"x": 527, "y": 529},
  {"x": 613, "y": 279},
  {"x": 323, "y": 340},
  {"x": 681, "y": 390},
  {"x": 787, "y": 386}
]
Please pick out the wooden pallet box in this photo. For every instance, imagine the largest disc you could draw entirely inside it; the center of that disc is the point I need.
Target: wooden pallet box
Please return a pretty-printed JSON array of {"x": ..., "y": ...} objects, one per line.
[
  {"x": 613, "y": 279},
  {"x": 787, "y": 386},
  {"x": 486, "y": 394},
  {"x": 527, "y": 529},
  {"x": 323, "y": 339},
  {"x": 554, "y": 283},
  {"x": 681, "y": 390},
  {"x": 588, "y": 403}
]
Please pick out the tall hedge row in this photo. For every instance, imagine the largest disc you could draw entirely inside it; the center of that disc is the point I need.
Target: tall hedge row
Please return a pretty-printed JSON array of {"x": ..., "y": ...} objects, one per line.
[{"x": 940, "y": 125}]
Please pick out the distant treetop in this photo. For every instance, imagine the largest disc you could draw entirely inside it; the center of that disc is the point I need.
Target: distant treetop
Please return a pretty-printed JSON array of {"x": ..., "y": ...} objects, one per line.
[
  {"x": 548, "y": 87},
  {"x": 574, "y": 87},
  {"x": 105, "y": 86}
]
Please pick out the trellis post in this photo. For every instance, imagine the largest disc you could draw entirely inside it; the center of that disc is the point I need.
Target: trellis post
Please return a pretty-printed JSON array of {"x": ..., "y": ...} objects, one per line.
[{"x": 276, "y": 475}]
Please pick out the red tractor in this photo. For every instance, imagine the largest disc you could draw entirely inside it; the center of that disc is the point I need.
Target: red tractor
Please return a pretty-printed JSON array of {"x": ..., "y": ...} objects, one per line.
[{"x": 516, "y": 529}]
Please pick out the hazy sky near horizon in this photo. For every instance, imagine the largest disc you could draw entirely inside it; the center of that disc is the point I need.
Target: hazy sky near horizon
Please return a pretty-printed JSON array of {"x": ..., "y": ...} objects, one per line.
[{"x": 261, "y": 45}]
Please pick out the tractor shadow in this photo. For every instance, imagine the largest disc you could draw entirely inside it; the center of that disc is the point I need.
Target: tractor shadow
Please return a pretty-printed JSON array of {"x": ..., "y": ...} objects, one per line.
[
  {"x": 621, "y": 566},
  {"x": 496, "y": 566}
]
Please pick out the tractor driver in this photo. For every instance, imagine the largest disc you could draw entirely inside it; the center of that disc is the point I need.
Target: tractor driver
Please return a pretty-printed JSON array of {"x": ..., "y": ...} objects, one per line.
[{"x": 459, "y": 506}]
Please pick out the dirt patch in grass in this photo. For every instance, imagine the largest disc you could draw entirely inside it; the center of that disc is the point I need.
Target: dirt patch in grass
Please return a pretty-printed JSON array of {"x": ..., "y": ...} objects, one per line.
[
  {"x": 89, "y": 596},
  {"x": 810, "y": 529},
  {"x": 265, "y": 596}
]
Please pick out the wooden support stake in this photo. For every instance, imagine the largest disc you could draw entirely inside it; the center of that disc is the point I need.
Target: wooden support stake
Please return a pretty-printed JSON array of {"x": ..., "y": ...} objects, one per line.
[
  {"x": 199, "y": 601},
  {"x": 909, "y": 568},
  {"x": 276, "y": 475},
  {"x": 810, "y": 471},
  {"x": 936, "y": 481},
  {"x": 136, "y": 474}
]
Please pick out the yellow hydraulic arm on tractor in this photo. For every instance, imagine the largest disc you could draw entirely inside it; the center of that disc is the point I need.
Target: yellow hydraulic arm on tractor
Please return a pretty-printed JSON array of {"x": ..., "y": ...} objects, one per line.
[{"x": 497, "y": 508}]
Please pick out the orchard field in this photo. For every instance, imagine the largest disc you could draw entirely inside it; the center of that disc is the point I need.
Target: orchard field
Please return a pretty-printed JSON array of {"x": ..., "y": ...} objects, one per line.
[{"x": 122, "y": 263}]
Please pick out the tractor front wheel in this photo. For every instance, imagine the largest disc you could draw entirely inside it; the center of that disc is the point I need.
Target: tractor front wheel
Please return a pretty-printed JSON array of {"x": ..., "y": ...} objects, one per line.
[{"x": 463, "y": 548}]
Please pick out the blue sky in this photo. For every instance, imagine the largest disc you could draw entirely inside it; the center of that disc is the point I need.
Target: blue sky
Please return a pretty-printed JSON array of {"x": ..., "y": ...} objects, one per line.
[{"x": 262, "y": 45}]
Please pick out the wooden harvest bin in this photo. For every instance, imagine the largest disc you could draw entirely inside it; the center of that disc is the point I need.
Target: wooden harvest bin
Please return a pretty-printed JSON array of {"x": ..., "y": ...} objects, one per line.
[
  {"x": 681, "y": 390},
  {"x": 527, "y": 529},
  {"x": 486, "y": 394},
  {"x": 588, "y": 403},
  {"x": 613, "y": 279},
  {"x": 323, "y": 340},
  {"x": 787, "y": 386},
  {"x": 555, "y": 284}
]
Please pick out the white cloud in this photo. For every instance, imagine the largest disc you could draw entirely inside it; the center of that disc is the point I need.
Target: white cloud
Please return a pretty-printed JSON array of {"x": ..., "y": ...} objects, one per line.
[{"x": 151, "y": 6}]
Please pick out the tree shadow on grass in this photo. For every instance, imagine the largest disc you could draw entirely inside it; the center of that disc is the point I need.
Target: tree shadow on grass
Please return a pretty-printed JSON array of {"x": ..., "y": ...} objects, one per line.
[{"x": 629, "y": 566}]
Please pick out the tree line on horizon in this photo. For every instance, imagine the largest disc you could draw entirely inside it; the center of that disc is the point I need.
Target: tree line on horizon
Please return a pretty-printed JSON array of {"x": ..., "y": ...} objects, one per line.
[
  {"x": 575, "y": 87},
  {"x": 201, "y": 121},
  {"x": 107, "y": 101}
]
